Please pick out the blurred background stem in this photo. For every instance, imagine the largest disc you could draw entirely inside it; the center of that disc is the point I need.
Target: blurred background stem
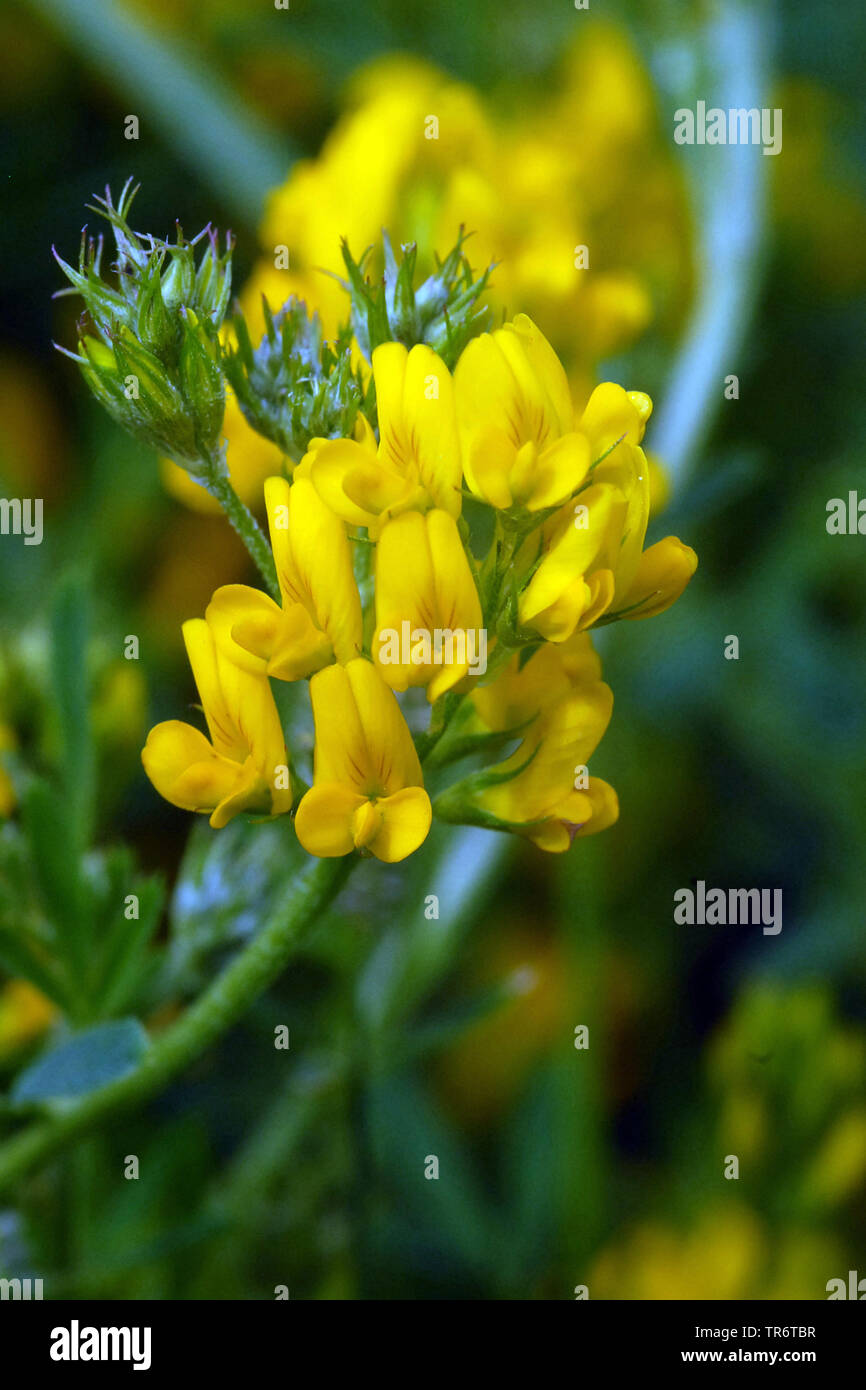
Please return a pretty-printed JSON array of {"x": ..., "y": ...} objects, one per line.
[
  {"x": 218, "y": 136},
  {"x": 726, "y": 64}
]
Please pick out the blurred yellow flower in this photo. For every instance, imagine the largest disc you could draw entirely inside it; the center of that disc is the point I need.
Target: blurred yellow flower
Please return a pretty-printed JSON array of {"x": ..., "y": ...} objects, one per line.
[
  {"x": 483, "y": 1070},
  {"x": 593, "y": 228},
  {"x": 25, "y": 1013},
  {"x": 718, "y": 1258}
]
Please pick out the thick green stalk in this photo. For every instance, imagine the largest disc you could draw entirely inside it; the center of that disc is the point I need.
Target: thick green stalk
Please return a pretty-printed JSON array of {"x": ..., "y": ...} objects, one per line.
[{"x": 251, "y": 972}]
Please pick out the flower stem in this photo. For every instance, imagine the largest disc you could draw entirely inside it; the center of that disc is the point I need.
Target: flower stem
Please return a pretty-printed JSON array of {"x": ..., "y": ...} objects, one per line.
[
  {"x": 218, "y": 485},
  {"x": 251, "y": 972}
]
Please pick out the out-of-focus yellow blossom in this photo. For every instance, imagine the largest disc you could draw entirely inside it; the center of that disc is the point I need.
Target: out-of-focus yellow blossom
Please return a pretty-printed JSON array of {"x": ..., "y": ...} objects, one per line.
[
  {"x": 188, "y": 552},
  {"x": 33, "y": 452},
  {"x": 120, "y": 706},
  {"x": 250, "y": 458},
  {"x": 8, "y": 799},
  {"x": 25, "y": 1013},
  {"x": 417, "y": 462},
  {"x": 320, "y": 617},
  {"x": 368, "y": 792},
  {"x": 773, "y": 1039},
  {"x": 486, "y": 1067},
  {"x": 423, "y": 154},
  {"x": 355, "y": 186},
  {"x": 244, "y": 766},
  {"x": 516, "y": 420},
  {"x": 726, "y": 1254},
  {"x": 838, "y": 1168},
  {"x": 423, "y": 580},
  {"x": 551, "y": 801}
]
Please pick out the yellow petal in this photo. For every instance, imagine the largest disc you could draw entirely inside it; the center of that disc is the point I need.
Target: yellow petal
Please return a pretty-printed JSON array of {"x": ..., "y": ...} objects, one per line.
[
  {"x": 560, "y": 470},
  {"x": 390, "y": 752},
  {"x": 324, "y": 819},
  {"x": 663, "y": 572},
  {"x": 406, "y": 818},
  {"x": 423, "y": 579},
  {"x": 314, "y": 562},
  {"x": 572, "y": 552},
  {"x": 610, "y": 416},
  {"x": 417, "y": 420},
  {"x": 601, "y": 587},
  {"x": 489, "y": 461},
  {"x": 184, "y": 768},
  {"x": 605, "y": 807},
  {"x": 206, "y": 668},
  {"x": 546, "y": 368},
  {"x": 557, "y": 834},
  {"x": 362, "y": 740},
  {"x": 329, "y": 466},
  {"x": 245, "y": 624},
  {"x": 300, "y": 648}
]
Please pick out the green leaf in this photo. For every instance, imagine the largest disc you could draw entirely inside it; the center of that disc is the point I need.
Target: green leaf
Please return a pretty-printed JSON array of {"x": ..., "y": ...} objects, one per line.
[
  {"x": 83, "y": 1063},
  {"x": 46, "y": 824},
  {"x": 452, "y": 1216}
]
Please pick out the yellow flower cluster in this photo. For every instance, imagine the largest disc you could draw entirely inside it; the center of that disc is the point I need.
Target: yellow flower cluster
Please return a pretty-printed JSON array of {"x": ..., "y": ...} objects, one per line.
[
  {"x": 423, "y": 154},
  {"x": 568, "y": 493}
]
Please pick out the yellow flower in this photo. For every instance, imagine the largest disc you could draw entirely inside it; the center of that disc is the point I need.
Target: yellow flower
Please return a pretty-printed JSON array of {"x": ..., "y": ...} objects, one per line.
[
  {"x": 385, "y": 164},
  {"x": 355, "y": 185},
  {"x": 25, "y": 1013},
  {"x": 320, "y": 617},
  {"x": 590, "y": 562},
  {"x": 663, "y": 572},
  {"x": 244, "y": 767},
  {"x": 517, "y": 421},
  {"x": 368, "y": 791},
  {"x": 723, "y": 1256},
  {"x": 417, "y": 463},
  {"x": 549, "y": 797},
  {"x": 427, "y": 606}
]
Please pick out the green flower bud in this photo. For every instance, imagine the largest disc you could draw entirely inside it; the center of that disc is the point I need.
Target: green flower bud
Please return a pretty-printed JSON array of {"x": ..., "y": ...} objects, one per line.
[
  {"x": 442, "y": 312},
  {"x": 201, "y": 383},
  {"x": 154, "y": 361},
  {"x": 294, "y": 387}
]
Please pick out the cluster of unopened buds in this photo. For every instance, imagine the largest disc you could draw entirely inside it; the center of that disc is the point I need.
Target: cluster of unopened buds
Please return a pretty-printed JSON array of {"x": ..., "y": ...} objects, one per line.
[{"x": 380, "y": 589}]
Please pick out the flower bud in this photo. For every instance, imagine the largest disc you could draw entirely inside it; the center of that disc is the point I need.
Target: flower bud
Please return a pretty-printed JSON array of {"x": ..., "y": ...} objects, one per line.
[
  {"x": 154, "y": 360},
  {"x": 442, "y": 312}
]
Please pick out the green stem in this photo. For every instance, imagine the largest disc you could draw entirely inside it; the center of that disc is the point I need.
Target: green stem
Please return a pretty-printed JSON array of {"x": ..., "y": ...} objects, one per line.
[
  {"x": 251, "y": 972},
  {"x": 243, "y": 521}
]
